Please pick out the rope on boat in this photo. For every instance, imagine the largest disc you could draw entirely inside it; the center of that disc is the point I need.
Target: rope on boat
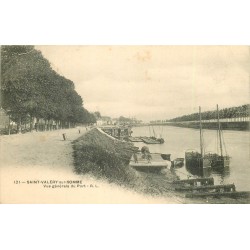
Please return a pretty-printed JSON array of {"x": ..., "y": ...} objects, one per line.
[
  {"x": 217, "y": 142},
  {"x": 153, "y": 131},
  {"x": 223, "y": 141},
  {"x": 202, "y": 141}
]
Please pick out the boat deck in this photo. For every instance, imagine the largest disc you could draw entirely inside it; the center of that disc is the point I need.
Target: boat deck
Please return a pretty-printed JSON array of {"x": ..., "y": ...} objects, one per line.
[
  {"x": 149, "y": 140},
  {"x": 156, "y": 163},
  {"x": 135, "y": 139}
]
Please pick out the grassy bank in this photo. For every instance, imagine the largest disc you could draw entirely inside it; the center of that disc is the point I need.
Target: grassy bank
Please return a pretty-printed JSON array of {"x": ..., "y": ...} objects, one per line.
[{"x": 97, "y": 154}]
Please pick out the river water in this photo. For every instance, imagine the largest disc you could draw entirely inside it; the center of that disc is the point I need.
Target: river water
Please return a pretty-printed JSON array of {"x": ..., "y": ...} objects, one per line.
[{"x": 178, "y": 140}]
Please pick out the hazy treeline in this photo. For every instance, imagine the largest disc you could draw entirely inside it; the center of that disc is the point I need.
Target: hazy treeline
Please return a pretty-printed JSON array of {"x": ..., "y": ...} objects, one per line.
[
  {"x": 31, "y": 89},
  {"x": 121, "y": 119},
  {"x": 233, "y": 112}
]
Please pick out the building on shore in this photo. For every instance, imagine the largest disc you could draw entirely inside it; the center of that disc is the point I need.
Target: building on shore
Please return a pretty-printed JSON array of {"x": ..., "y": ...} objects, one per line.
[{"x": 104, "y": 120}]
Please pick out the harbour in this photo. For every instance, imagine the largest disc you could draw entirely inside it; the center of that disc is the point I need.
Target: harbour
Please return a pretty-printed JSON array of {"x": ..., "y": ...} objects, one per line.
[
  {"x": 100, "y": 136},
  {"x": 150, "y": 145},
  {"x": 178, "y": 140}
]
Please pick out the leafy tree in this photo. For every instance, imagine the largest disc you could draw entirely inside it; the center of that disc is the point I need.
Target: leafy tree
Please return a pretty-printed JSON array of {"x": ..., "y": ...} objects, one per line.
[
  {"x": 97, "y": 115},
  {"x": 31, "y": 88},
  {"x": 240, "y": 111}
]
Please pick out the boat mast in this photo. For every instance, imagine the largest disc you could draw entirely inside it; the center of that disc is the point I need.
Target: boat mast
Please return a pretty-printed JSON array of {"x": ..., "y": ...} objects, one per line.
[
  {"x": 153, "y": 131},
  {"x": 219, "y": 129},
  {"x": 201, "y": 142}
]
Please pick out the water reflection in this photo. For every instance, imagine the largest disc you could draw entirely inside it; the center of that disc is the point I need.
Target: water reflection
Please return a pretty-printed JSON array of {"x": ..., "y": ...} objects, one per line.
[
  {"x": 178, "y": 140},
  {"x": 222, "y": 173},
  {"x": 207, "y": 172},
  {"x": 201, "y": 172}
]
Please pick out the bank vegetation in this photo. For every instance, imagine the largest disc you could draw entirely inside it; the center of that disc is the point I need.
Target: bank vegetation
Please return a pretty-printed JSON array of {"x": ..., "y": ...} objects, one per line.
[{"x": 106, "y": 158}]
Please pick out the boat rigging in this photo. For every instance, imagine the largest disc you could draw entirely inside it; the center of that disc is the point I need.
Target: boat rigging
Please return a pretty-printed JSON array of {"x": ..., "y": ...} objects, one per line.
[
  {"x": 196, "y": 161},
  {"x": 219, "y": 160}
]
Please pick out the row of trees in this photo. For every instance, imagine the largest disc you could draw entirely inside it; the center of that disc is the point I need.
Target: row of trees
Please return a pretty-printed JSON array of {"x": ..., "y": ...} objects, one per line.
[
  {"x": 127, "y": 120},
  {"x": 233, "y": 112},
  {"x": 30, "y": 89},
  {"x": 120, "y": 120}
]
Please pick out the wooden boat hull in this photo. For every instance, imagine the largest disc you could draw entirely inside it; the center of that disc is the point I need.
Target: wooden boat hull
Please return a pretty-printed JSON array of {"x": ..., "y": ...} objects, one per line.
[
  {"x": 152, "y": 168},
  {"x": 195, "y": 182},
  {"x": 234, "y": 194},
  {"x": 208, "y": 188},
  {"x": 155, "y": 164},
  {"x": 194, "y": 159},
  {"x": 178, "y": 162},
  {"x": 197, "y": 165},
  {"x": 218, "y": 161},
  {"x": 166, "y": 157},
  {"x": 135, "y": 139},
  {"x": 152, "y": 140}
]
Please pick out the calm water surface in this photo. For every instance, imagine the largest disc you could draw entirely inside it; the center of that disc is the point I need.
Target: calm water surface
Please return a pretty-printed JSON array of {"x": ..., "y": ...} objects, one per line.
[{"x": 178, "y": 140}]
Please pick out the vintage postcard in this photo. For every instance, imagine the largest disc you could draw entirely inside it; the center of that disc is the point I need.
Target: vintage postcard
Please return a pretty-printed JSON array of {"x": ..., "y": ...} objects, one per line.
[{"x": 124, "y": 124}]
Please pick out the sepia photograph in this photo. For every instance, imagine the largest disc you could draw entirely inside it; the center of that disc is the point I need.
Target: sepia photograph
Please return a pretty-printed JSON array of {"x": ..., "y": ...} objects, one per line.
[{"x": 124, "y": 124}]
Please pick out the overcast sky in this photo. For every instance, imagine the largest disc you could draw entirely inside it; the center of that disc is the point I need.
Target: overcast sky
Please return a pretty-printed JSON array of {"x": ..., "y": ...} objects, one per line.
[{"x": 154, "y": 82}]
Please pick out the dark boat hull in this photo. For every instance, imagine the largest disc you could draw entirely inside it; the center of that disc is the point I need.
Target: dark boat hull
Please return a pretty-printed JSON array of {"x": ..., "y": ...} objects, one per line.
[
  {"x": 197, "y": 165},
  {"x": 218, "y": 161},
  {"x": 134, "y": 139},
  {"x": 152, "y": 140},
  {"x": 178, "y": 162},
  {"x": 166, "y": 157}
]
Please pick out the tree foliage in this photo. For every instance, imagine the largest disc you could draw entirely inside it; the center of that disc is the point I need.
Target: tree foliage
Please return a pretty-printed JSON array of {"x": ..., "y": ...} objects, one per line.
[
  {"x": 97, "y": 115},
  {"x": 31, "y": 88},
  {"x": 233, "y": 112}
]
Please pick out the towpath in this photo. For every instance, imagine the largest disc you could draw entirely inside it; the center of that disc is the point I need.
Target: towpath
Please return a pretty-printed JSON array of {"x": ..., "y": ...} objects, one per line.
[{"x": 38, "y": 168}]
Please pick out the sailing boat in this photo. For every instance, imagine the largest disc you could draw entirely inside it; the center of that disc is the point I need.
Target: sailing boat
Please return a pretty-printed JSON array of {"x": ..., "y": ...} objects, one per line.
[
  {"x": 152, "y": 139},
  {"x": 219, "y": 160},
  {"x": 157, "y": 137},
  {"x": 197, "y": 161}
]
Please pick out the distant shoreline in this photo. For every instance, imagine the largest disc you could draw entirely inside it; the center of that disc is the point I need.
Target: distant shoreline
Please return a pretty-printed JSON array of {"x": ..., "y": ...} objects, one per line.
[{"x": 237, "y": 126}]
